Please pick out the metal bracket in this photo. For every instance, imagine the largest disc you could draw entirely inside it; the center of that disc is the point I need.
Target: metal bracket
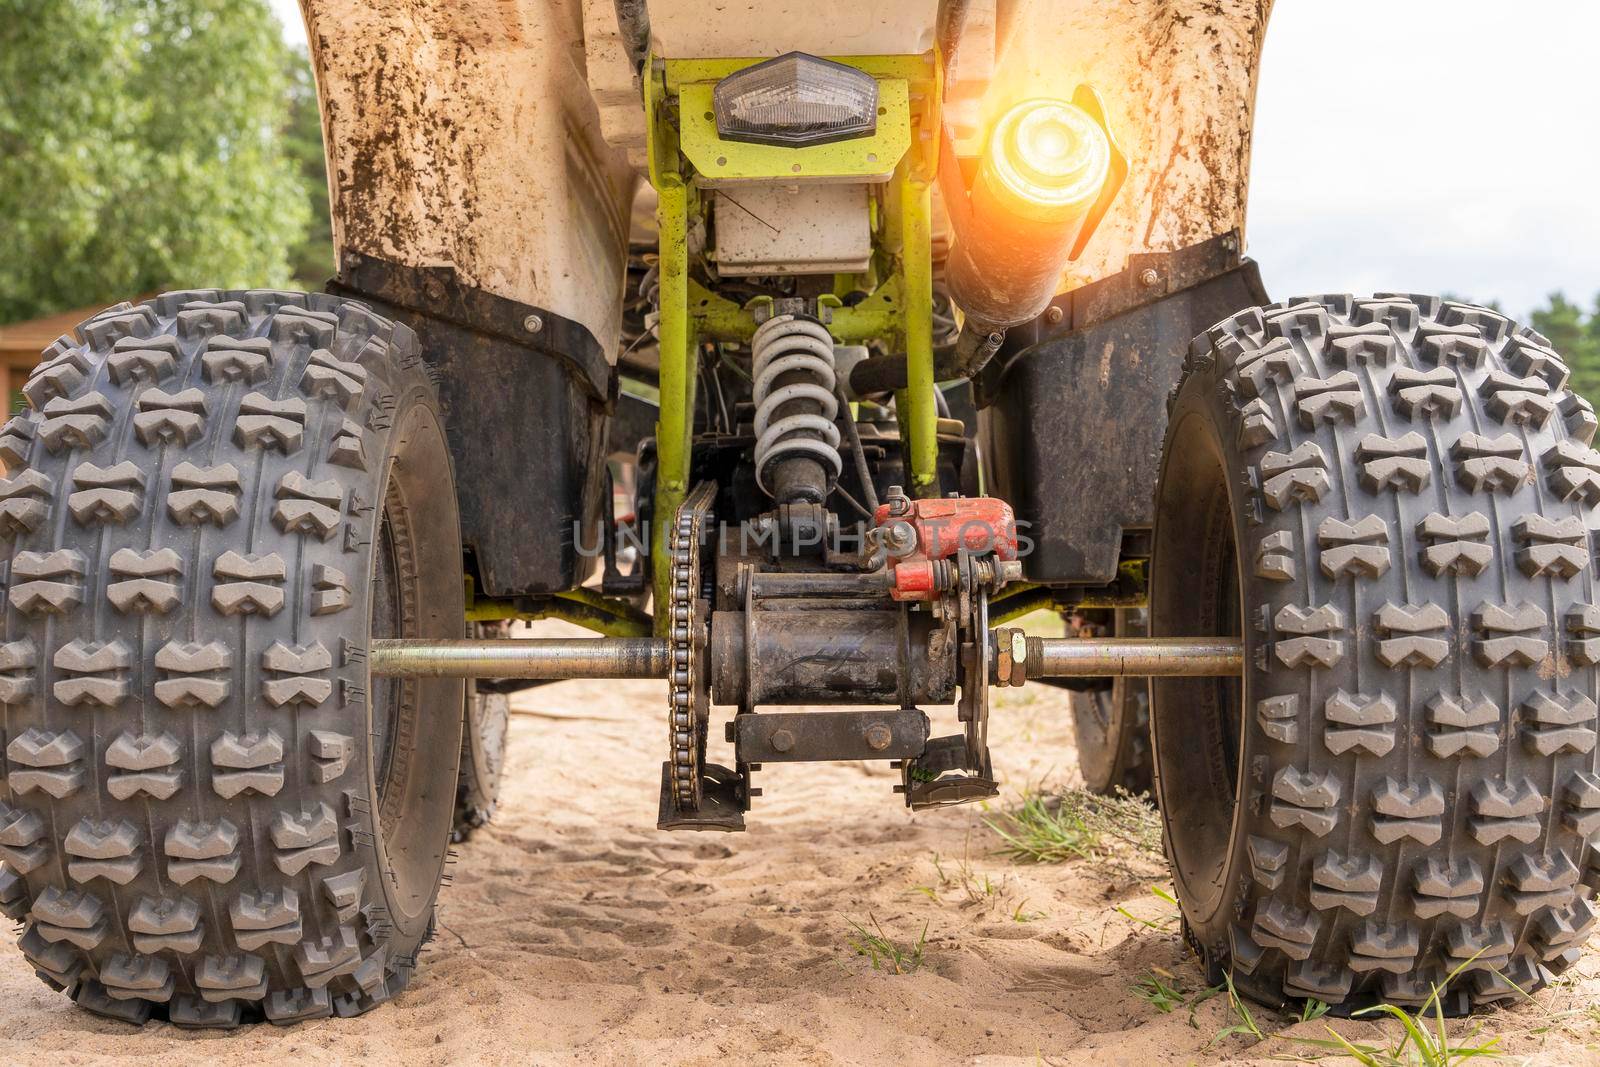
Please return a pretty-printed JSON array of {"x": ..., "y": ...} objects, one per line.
[
  {"x": 1148, "y": 277},
  {"x": 823, "y": 736},
  {"x": 723, "y": 802},
  {"x": 939, "y": 777},
  {"x": 581, "y": 607}
]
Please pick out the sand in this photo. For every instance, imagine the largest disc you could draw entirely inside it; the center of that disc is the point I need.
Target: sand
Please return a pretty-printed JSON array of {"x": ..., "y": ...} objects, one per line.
[{"x": 576, "y": 933}]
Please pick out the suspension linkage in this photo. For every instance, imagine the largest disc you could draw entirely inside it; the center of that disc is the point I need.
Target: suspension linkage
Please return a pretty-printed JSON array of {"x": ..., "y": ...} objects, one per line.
[{"x": 1018, "y": 658}]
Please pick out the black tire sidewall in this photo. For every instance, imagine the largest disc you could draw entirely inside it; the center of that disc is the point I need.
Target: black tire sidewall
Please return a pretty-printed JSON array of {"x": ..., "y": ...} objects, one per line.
[
  {"x": 418, "y": 468},
  {"x": 1179, "y": 736}
]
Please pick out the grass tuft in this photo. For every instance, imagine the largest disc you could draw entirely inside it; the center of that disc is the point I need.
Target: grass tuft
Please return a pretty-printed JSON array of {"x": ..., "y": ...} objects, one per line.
[
  {"x": 1160, "y": 990},
  {"x": 1160, "y": 923},
  {"x": 958, "y": 882},
  {"x": 1078, "y": 825},
  {"x": 883, "y": 951},
  {"x": 1417, "y": 1043},
  {"x": 1244, "y": 1024}
]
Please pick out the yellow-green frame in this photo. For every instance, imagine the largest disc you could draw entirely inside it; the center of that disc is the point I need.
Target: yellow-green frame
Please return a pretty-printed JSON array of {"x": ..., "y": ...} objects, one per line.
[{"x": 899, "y": 309}]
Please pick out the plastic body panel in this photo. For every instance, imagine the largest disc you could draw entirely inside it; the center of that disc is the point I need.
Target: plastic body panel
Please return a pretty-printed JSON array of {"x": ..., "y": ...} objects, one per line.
[
  {"x": 526, "y": 429},
  {"x": 772, "y": 228},
  {"x": 462, "y": 133},
  {"x": 1073, "y": 437}
]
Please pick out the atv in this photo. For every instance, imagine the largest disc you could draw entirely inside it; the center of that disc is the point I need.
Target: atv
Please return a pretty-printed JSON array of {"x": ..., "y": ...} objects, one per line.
[{"x": 799, "y": 353}]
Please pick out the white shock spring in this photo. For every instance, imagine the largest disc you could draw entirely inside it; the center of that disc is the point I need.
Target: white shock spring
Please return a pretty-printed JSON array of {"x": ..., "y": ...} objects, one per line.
[{"x": 782, "y": 345}]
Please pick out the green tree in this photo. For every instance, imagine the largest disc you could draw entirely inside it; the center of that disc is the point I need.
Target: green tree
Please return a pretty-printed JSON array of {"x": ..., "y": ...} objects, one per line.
[
  {"x": 141, "y": 148},
  {"x": 311, "y": 260},
  {"x": 1576, "y": 336},
  {"x": 1560, "y": 320}
]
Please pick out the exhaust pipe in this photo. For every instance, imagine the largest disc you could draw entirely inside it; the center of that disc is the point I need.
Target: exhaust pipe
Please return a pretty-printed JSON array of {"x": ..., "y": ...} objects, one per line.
[{"x": 1043, "y": 185}]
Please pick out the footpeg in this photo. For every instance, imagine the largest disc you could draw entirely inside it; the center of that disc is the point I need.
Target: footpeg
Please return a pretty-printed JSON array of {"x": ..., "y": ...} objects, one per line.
[
  {"x": 724, "y": 798},
  {"x": 939, "y": 778}
]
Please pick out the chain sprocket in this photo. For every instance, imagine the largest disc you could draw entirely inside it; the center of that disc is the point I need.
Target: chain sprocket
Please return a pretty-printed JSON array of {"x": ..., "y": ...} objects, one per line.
[{"x": 688, "y": 700}]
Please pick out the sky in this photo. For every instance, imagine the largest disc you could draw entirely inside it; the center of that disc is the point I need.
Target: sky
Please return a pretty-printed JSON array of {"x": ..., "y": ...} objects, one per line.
[
  {"x": 1420, "y": 146},
  {"x": 1429, "y": 146}
]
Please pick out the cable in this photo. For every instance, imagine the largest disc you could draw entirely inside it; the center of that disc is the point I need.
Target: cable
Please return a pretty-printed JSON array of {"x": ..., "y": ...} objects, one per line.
[
  {"x": 862, "y": 472},
  {"x": 855, "y": 503}
]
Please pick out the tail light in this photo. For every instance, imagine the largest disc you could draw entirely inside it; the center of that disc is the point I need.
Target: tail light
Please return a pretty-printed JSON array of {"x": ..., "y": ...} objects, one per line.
[{"x": 796, "y": 100}]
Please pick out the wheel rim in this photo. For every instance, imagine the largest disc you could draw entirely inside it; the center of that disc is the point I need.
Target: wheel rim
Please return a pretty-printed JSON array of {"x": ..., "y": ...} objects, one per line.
[
  {"x": 415, "y": 585},
  {"x": 1111, "y": 721},
  {"x": 1197, "y": 722},
  {"x": 386, "y": 622},
  {"x": 1094, "y": 708},
  {"x": 1094, "y": 713},
  {"x": 490, "y": 720}
]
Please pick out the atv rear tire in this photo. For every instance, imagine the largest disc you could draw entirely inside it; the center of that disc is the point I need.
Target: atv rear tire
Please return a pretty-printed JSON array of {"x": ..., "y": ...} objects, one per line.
[
  {"x": 483, "y": 750},
  {"x": 211, "y": 812},
  {"x": 1392, "y": 500},
  {"x": 1112, "y": 722}
]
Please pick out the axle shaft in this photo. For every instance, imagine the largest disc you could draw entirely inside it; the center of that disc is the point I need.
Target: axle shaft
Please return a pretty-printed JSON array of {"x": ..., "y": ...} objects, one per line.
[
  {"x": 646, "y": 657},
  {"x": 535, "y": 658},
  {"x": 1147, "y": 657}
]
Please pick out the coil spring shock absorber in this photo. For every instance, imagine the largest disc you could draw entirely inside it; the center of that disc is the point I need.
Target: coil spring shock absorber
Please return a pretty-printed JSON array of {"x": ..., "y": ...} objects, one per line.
[{"x": 797, "y": 442}]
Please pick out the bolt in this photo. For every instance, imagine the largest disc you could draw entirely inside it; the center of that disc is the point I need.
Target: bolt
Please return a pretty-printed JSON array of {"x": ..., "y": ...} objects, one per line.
[
  {"x": 1054, "y": 315},
  {"x": 878, "y": 737},
  {"x": 899, "y": 537},
  {"x": 782, "y": 740},
  {"x": 533, "y": 324},
  {"x": 1149, "y": 277}
]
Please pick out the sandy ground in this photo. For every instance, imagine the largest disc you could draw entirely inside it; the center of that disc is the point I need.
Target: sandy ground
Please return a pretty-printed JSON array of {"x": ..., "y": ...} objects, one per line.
[{"x": 576, "y": 933}]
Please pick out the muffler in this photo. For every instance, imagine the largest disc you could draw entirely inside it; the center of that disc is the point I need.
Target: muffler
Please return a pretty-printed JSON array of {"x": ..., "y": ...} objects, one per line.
[{"x": 1044, "y": 183}]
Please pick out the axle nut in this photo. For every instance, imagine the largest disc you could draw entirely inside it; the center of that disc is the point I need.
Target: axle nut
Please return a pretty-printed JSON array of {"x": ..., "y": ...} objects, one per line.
[
  {"x": 878, "y": 737},
  {"x": 1018, "y": 640},
  {"x": 1002, "y": 660},
  {"x": 1010, "y": 656},
  {"x": 782, "y": 740}
]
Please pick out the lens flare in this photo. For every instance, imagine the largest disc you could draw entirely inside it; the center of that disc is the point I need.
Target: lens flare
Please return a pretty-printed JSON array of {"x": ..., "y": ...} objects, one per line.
[{"x": 1050, "y": 155}]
